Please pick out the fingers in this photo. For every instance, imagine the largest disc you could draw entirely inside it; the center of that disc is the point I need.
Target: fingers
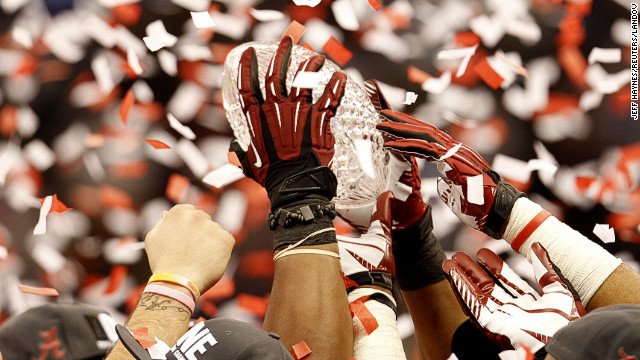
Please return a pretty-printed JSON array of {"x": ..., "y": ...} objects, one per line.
[
  {"x": 382, "y": 211},
  {"x": 475, "y": 273},
  {"x": 548, "y": 279},
  {"x": 418, "y": 148},
  {"x": 248, "y": 84},
  {"x": 275, "y": 86},
  {"x": 509, "y": 280},
  {"x": 375, "y": 95},
  {"x": 314, "y": 63},
  {"x": 333, "y": 92},
  {"x": 466, "y": 290}
]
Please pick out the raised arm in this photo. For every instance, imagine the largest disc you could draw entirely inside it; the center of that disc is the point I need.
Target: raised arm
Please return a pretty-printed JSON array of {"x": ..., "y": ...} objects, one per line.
[{"x": 186, "y": 243}]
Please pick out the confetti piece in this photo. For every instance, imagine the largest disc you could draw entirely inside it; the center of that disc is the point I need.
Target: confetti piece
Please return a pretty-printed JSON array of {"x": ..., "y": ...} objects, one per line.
[
  {"x": 310, "y": 3},
  {"x": 181, "y": 129},
  {"x": 338, "y": 52},
  {"x": 44, "y": 291},
  {"x": 295, "y": 30},
  {"x": 608, "y": 56},
  {"x": 116, "y": 278},
  {"x": 605, "y": 233},
  {"x": 359, "y": 310},
  {"x": 300, "y": 350},
  {"x": 516, "y": 67},
  {"x": 141, "y": 335},
  {"x": 39, "y": 154},
  {"x": 416, "y": 75},
  {"x": 266, "y": 15},
  {"x": 410, "y": 98},
  {"x": 489, "y": 30},
  {"x": 134, "y": 62},
  {"x": 127, "y": 104},
  {"x": 202, "y": 19},
  {"x": 177, "y": 187},
  {"x": 511, "y": 168},
  {"x": 56, "y": 205},
  {"x": 192, "y": 157},
  {"x": 158, "y": 37},
  {"x": 488, "y": 74},
  {"x": 463, "y": 53},
  {"x": 255, "y": 304},
  {"x": 223, "y": 175},
  {"x": 475, "y": 189},
  {"x": 437, "y": 85},
  {"x": 364, "y": 155},
  {"x": 48, "y": 258},
  {"x": 307, "y": 79},
  {"x": 102, "y": 72},
  {"x": 4, "y": 253},
  {"x": 157, "y": 144},
  {"x": 22, "y": 36},
  {"x": 590, "y": 100},
  {"x": 233, "y": 159},
  {"x": 345, "y": 15},
  {"x": 573, "y": 63},
  {"x": 187, "y": 101},
  {"x": 193, "y": 5},
  {"x": 375, "y": 4},
  {"x": 41, "y": 226}
]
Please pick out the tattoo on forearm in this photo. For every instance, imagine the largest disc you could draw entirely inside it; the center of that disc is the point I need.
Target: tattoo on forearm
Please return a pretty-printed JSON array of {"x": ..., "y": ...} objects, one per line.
[{"x": 153, "y": 302}]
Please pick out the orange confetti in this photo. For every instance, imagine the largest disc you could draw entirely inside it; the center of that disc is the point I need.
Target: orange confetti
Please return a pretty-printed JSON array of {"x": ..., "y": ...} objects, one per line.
[
  {"x": 27, "y": 66},
  {"x": 56, "y": 205},
  {"x": 233, "y": 159},
  {"x": 44, "y": 291},
  {"x": 127, "y": 14},
  {"x": 360, "y": 311},
  {"x": 375, "y": 4},
  {"x": 200, "y": 319},
  {"x": 338, "y": 52},
  {"x": 127, "y": 104},
  {"x": 307, "y": 46},
  {"x": 416, "y": 75},
  {"x": 112, "y": 197},
  {"x": 141, "y": 335},
  {"x": 255, "y": 304},
  {"x": 300, "y": 350},
  {"x": 8, "y": 120},
  {"x": 466, "y": 39},
  {"x": 490, "y": 76},
  {"x": 177, "y": 187},
  {"x": 157, "y": 144},
  {"x": 573, "y": 63},
  {"x": 129, "y": 170},
  {"x": 295, "y": 30},
  {"x": 116, "y": 278}
]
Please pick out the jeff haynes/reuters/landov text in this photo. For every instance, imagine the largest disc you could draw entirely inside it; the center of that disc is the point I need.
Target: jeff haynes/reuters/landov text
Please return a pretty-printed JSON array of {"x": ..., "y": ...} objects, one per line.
[{"x": 634, "y": 61}]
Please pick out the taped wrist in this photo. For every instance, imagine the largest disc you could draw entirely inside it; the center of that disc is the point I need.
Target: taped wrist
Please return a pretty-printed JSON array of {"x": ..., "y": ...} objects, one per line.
[
  {"x": 292, "y": 234},
  {"x": 506, "y": 196},
  {"x": 319, "y": 180},
  {"x": 418, "y": 254}
]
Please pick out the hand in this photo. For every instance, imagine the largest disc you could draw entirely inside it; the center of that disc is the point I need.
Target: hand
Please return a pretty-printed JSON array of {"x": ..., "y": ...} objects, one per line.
[
  {"x": 510, "y": 312},
  {"x": 289, "y": 135},
  {"x": 489, "y": 209},
  {"x": 187, "y": 242}
]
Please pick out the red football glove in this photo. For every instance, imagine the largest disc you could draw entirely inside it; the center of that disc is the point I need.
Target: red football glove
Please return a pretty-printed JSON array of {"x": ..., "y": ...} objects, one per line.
[
  {"x": 290, "y": 136},
  {"x": 490, "y": 206},
  {"x": 505, "y": 307}
]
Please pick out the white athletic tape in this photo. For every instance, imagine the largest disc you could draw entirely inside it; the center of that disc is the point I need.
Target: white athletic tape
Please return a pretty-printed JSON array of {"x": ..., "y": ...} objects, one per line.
[
  {"x": 384, "y": 343},
  {"x": 585, "y": 264}
]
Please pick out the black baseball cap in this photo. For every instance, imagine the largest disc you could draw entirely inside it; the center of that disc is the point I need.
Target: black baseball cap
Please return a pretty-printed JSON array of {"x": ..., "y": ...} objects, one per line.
[
  {"x": 58, "y": 331},
  {"x": 216, "y": 339},
  {"x": 611, "y": 332}
]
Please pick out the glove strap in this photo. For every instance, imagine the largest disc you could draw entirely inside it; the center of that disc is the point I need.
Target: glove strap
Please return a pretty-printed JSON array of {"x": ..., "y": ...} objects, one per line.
[
  {"x": 506, "y": 196},
  {"x": 319, "y": 180}
]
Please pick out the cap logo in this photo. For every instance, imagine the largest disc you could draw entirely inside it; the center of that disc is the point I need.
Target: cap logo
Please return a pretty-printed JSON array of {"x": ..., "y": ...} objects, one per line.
[
  {"x": 194, "y": 341},
  {"x": 625, "y": 356},
  {"x": 51, "y": 343}
]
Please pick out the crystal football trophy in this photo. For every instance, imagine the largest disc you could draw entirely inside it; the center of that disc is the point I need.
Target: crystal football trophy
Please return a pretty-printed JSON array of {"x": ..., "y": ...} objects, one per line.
[{"x": 355, "y": 119}]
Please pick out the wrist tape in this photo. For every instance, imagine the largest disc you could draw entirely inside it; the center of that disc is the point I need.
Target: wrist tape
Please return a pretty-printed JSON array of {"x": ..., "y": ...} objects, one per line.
[
  {"x": 283, "y": 238},
  {"x": 585, "y": 264},
  {"x": 418, "y": 254}
]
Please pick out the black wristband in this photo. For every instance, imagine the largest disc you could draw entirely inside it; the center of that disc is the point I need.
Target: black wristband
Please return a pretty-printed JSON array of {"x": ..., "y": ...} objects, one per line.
[
  {"x": 318, "y": 180},
  {"x": 377, "y": 278},
  {"x": 284, "y": 237},
  {"x": 418, "y": 254},
  {"x": 506, "y": 196},
  {"x": 469, "y": 342}
]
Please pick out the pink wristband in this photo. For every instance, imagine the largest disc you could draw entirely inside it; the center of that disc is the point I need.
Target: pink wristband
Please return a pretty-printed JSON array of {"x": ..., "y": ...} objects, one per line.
[{"x": 186, "y": 300}]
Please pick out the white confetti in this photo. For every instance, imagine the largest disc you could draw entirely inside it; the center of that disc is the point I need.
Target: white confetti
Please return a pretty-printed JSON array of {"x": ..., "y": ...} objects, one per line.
[
  {"x": 363, "y": 152},
  {"x": 158, "y": 37},
  {"x": 511, "y": 168},
  {"x": 520, "y": 354},
  {"x": 93, "y": 165},
  {"x": 41, "y": 226},
  {"x": 345, "y": 15},
  {"x": 158, "y": 350},
  {"x": 9, "y": 158},
  {"x": 307, "y": 79},
  {"x": 168, "y": 62},
  {"x": 22, "y": 37},
  {"x": 142, "y": 92},
  {"x": 224, "y": 175},
  {"x": 590, "y": 100},
  {"x": 475, "y": 189},
  {"x": 182, "y": 129},
  {"x": 410, "y": 98},
  {"x": 193, "y": 5},
  {"x": 490, "y": 30},
  {"x": 187, "y": 101},
  {"x": 462, "y": 53},
  {"x": 102, "y": 72},
  {"x": 310, "y": 3},
  {"x": 437, "y": 85},
  {"x": 266, "y": 15},
  {"x": 4, "y": 253},
  {"x": 605, "y": 233},
  {"x": 39, "y": 155},
  {"x": 112, "y": 3},
  {"x": 48, "y": 258},
  {"x": 122, "y": 250},
  {"x": 133, "y": 61},
  {"x": 231, "y": 26},
  {"x": 202, "y": 19},
  {"x": 27, "y": 121},
  {"x": 232, "y": 209},
  {"x": 608, "y": 56},
  {"x": 10, "y": 6},
  {"x": 191, "y": 155}
]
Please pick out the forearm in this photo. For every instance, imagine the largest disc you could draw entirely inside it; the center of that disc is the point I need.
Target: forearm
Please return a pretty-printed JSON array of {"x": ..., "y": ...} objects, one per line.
[{"x": 165, "y": 318}]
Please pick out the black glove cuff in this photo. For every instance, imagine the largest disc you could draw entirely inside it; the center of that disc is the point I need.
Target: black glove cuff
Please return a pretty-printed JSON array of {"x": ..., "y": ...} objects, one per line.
[
  {"x": 506, "y": 196},
  {"x": 418, "y": 254},
  {"x": 319, "y": 180},
  {"x": 377, "y": 278}
]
